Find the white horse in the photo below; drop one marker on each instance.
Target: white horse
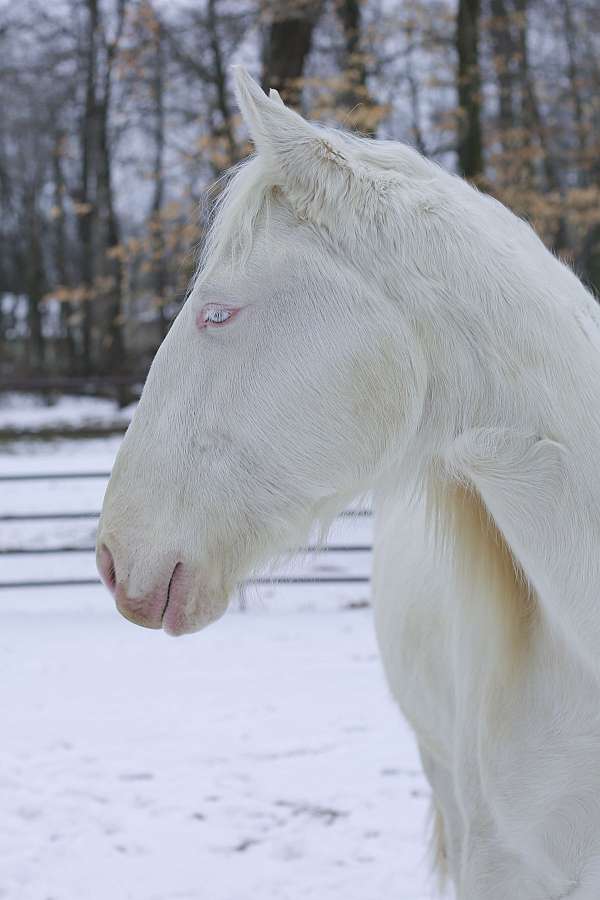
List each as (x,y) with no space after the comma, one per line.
(364,321)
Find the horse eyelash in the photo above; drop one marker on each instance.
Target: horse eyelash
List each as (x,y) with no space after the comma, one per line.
(204,321)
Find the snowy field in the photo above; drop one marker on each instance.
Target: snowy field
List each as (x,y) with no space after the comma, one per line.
(262,758)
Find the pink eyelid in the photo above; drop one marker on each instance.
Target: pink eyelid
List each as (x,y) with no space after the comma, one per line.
(201,322)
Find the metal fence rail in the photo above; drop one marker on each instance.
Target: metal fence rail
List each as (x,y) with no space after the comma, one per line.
(54,476)
(284,579)
(72,382)
(50,516)
(316,548)
(94,515)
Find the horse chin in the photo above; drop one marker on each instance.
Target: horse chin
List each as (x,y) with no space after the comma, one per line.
(191,604)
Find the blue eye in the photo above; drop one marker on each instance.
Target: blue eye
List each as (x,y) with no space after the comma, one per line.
(215,314)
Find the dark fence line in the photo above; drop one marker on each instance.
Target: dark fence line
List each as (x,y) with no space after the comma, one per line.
(72,382)
(57,582)
(317,548)
(123,389)
(284,579)
(53,516)
(94,515)
(54,476)
(37,517)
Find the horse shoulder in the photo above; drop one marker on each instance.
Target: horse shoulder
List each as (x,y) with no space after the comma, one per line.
(543,499)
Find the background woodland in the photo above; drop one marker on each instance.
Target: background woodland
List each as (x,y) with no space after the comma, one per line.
(117,116)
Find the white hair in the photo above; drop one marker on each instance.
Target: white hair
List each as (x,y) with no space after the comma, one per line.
(388,327)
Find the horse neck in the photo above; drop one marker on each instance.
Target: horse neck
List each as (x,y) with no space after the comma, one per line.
(516,350)
(506,452)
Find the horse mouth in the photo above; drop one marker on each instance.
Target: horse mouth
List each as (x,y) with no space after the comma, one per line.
(192,602)
(174,619)
(181,605)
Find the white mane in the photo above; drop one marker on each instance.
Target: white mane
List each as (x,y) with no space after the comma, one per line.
(246,192)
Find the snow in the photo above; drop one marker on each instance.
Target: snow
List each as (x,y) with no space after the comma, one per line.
(32,411)
(261,758)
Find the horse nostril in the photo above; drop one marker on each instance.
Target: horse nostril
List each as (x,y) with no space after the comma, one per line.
(106,567)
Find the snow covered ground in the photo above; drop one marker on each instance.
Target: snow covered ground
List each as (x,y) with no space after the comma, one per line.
(31,411)
(262,758)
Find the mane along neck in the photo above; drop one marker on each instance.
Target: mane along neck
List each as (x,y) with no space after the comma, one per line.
(489,579)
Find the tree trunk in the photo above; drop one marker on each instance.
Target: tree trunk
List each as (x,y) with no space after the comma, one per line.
(414,90)
(60,249)
(111,352)
(35,284)
(470,147)
(532,123)
(85,204)
(287,44)
(355,96)
(226,127)
(504,54)
(531,118)
(158,178)
(570,36)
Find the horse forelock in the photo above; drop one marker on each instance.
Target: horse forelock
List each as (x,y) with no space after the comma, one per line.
(352,186)
(242,195)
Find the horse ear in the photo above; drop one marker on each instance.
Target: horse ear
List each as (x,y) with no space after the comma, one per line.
(294,145)
(275,95)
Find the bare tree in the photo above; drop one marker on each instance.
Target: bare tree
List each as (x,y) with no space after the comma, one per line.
(286,45)
(355,95)
(470,144)
(118,114)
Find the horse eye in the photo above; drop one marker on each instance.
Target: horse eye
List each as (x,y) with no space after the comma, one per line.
(215,314)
